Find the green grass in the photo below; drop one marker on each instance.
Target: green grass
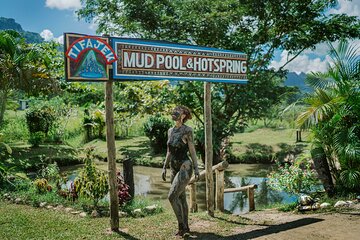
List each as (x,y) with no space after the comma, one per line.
(25,222)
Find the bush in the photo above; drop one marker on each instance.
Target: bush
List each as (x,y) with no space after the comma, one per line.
(294,179)
(91,182)
(123,189)
(40,119)
(156,128)
(36,138)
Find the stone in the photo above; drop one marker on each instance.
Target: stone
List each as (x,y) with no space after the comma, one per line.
(49,207)
(59,207)
(150,209)
(94,214)
(6,196)
(75,212)
(138,212)
(83,214)
(325,205)
(68,209)
(305,208)
(122,214)
(315,206)
(341,204)
(42,204)
(18,200)
(306,200)
(358,198)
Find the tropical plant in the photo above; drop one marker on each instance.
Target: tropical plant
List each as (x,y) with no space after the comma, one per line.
(156,129)
(23,67)
(91,183)
(294,178)
(333,117)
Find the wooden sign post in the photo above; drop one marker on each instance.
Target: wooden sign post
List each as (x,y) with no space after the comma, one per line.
(110,141)
(208,150)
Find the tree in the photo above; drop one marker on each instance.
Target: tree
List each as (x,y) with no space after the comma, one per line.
(256,27)
(332,114)
(23,67)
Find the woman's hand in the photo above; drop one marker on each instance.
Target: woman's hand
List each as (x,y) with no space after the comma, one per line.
(197,174)
(163,174)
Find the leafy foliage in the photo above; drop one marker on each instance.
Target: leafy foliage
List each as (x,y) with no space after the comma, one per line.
(123,189)
(91,182)
(296,178)
(156,129)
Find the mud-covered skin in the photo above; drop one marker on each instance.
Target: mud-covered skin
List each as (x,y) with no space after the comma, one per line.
(181,171)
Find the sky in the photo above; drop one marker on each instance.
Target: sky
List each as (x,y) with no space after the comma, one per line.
(51,18)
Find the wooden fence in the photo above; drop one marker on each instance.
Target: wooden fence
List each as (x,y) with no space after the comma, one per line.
(220,189)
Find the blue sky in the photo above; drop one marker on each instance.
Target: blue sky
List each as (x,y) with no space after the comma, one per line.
(51,18)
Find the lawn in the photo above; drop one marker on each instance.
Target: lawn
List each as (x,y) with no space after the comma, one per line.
(26,222)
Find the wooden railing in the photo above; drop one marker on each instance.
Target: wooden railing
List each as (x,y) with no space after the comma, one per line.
(220,188)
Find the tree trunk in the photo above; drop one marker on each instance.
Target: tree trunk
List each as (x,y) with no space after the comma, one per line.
(322,168)
(3,101)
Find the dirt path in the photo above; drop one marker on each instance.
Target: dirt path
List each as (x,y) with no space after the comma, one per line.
(271,224)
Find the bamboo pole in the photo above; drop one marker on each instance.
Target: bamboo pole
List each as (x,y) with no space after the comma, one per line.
(193,202)
(240,189)
(208,150)
(110,141)
(219,190)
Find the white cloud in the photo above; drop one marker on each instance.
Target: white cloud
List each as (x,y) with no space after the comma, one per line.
(303,63)
(59,39)
(47,35)
(351,8)
(63,4)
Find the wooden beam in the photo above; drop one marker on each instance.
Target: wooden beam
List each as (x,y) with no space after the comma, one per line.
(110,141)
(240,189)
(220,166)
(193,202)
(208,150)
(219,190)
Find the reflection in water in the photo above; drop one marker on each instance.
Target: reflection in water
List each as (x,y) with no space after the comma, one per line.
(148,183)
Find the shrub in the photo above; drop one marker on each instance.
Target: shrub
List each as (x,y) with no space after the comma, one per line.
(91,182)
(295,179)
(123,190)
(40,119)
(42,185)
(156,128)
(36,138)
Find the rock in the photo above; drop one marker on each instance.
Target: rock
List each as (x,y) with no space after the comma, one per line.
(83,214)
(122,214)
(75,212)
(358,198)
(325,205)
(138,212)
(315,206)
(6,196)
(305,208)
(94,214)
(42,204)
(59,207)
(68,209)
(350,203)
(306,200)
(150,209)
(49,207)
(341,204)
(18,200)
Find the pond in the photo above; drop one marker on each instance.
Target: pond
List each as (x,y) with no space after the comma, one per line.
(148,183)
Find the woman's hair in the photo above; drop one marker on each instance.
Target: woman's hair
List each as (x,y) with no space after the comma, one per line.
(184,110)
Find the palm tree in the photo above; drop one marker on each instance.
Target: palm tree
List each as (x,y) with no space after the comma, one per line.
(332,116)
(21,65)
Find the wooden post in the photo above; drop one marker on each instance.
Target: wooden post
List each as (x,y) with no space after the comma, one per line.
(193,202)
(219,190)
(128,174)
(110,141)
(251,199)
(208,150)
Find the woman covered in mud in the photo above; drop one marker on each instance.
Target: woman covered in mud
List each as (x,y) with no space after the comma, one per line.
(180,142)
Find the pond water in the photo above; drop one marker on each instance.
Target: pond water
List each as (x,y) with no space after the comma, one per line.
(148,183)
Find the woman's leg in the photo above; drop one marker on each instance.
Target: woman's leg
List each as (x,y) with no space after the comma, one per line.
(177,195)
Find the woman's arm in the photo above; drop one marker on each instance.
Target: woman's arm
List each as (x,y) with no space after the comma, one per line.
(193,153)
(166,162)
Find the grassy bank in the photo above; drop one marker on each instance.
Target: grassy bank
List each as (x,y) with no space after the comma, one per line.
(25,222)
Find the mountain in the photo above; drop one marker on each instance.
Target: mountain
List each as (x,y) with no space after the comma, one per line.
(30,37)
(297,80)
